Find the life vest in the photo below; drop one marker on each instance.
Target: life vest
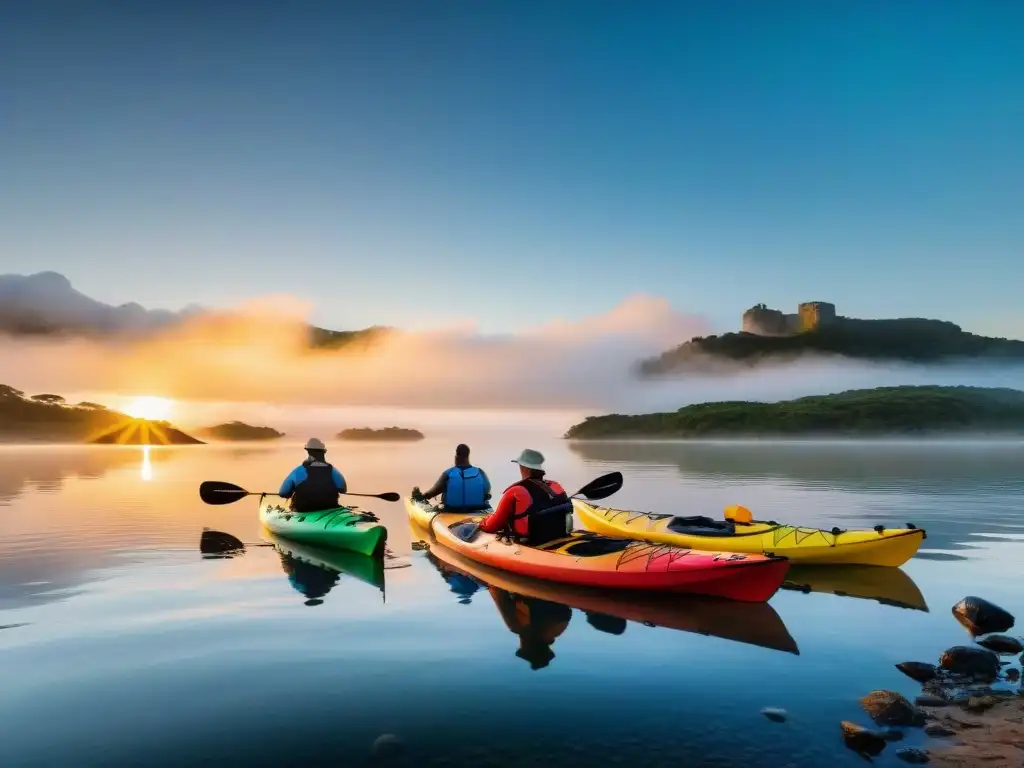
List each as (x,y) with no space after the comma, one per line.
(318,490)
(465,489)
(549,516)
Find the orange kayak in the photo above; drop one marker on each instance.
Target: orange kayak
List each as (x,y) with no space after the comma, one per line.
(753,623)
(592,560)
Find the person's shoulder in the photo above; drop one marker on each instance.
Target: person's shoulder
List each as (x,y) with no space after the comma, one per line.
(556,486)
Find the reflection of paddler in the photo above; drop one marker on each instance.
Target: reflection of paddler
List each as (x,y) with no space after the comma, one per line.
(314,571)
(310,580)
(537,622)
(462,584)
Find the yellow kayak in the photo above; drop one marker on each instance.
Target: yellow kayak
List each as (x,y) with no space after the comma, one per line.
(738,532)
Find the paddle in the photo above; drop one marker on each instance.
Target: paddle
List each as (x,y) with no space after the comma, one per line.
(595,490)
(601,488)
(217,492)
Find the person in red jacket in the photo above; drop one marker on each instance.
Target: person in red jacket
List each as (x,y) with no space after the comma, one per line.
(533,511)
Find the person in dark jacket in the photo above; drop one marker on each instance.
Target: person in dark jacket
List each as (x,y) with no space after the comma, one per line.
(462,487)
(314,484)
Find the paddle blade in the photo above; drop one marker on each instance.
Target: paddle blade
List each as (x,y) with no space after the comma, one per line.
(390,496)
(602,487)
(219,543)
(216,492)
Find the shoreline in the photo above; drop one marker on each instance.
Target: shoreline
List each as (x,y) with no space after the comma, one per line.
(939,437)
(994,738)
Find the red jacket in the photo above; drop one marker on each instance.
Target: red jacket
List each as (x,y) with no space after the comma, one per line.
(515,500)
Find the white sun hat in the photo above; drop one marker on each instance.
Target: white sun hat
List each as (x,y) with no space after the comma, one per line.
(530,459)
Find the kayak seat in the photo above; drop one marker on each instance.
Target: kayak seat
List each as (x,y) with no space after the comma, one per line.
(467,530)
(702,526)
(589,545)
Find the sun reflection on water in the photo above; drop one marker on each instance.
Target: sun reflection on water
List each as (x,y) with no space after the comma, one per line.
(146,471)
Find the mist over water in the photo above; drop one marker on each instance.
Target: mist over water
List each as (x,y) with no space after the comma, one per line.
(257,355)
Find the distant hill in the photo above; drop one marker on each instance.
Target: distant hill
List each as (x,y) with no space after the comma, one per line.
(48,418)
(860,412)
(237,431)
(388,434)
(46,304)
(908,340)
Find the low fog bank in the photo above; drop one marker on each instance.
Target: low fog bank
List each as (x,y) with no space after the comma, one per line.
(248,355)
(558,371)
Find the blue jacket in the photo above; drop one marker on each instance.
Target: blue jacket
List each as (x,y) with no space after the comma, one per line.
(299,474)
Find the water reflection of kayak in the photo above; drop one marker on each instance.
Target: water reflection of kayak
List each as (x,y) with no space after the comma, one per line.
(313,571)
(888,586)
(607,610)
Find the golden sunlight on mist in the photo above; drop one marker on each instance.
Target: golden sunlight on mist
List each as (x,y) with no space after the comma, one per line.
(151,408)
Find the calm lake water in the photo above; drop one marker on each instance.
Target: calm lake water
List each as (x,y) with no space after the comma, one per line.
(122,645)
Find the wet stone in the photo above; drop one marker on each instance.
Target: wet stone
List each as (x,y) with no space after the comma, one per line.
(891,708)
(913,756)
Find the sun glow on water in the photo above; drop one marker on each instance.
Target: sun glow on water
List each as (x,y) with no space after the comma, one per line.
(152,408)
(147,465)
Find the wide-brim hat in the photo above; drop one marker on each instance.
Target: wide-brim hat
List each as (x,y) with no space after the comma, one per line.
(530,459)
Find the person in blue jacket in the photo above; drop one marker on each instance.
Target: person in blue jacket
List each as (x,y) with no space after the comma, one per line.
(462,487)
(314,484)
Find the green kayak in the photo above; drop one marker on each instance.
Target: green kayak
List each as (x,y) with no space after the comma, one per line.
(339,528)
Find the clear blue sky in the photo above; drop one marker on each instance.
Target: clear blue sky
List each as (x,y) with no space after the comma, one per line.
(408,162)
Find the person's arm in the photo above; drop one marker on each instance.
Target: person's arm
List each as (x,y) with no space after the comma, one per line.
(487,485)
(501,516)
(339,480)
(288,486)
(438,488)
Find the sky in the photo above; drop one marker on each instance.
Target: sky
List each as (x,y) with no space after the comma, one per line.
(512,163)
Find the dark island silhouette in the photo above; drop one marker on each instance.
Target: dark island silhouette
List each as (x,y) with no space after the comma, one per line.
(884,411)
(771,337)
(49,418)
(387,434)
(238,431)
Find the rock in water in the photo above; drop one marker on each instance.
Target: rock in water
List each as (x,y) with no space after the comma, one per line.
(981,617)
(915,756)
(861,740)
(890,708)
(387,748)
(918,670)
(775,714)
(1001,644)
(976,662)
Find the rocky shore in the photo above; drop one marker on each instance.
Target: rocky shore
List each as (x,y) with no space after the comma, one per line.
(971,704)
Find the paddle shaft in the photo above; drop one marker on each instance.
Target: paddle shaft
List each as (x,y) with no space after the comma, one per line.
(267,493)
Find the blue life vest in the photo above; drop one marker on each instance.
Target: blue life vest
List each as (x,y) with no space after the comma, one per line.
(465,489)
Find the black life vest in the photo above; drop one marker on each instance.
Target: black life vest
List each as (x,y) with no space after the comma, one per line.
(318,490)
(549,516)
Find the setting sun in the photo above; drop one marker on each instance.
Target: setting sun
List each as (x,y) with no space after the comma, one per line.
(152,408)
